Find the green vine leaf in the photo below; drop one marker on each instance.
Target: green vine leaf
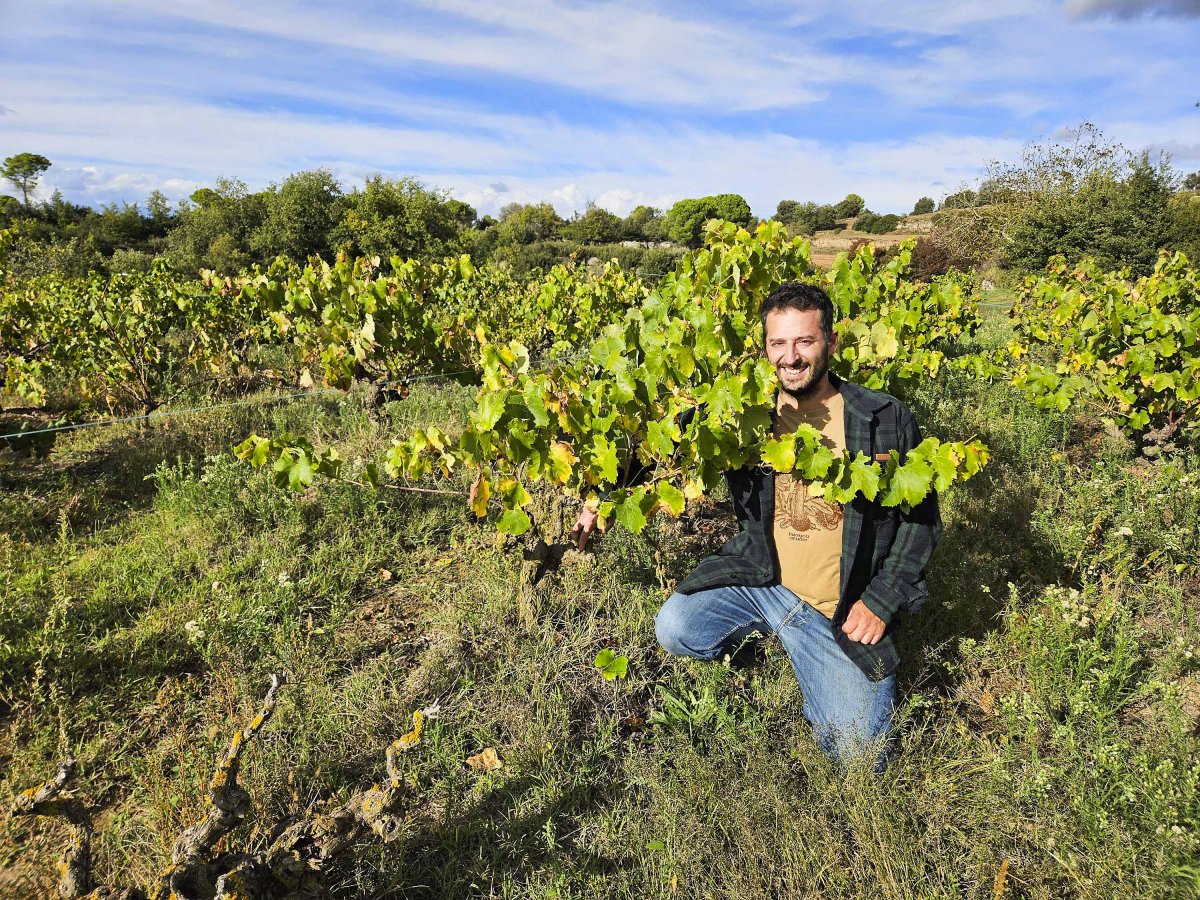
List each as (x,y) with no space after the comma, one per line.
(610,665)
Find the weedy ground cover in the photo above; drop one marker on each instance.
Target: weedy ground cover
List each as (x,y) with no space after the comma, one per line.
(1050,695)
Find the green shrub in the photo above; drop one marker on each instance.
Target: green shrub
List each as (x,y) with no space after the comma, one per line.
(1185,223)
(850,207)
(629,258)
(961,200)
(644,223)
(594,226)
(686,218)
(130,261)
(806,218)
(523,259)
(659,260)
(873,223)
(930,258)
(1120,218)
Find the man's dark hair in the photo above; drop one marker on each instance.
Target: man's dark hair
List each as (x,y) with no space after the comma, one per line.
(798,295)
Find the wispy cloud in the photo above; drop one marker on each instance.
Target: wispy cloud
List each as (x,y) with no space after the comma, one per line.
(1133,9)
(616,49)
(614,102)
(566,164)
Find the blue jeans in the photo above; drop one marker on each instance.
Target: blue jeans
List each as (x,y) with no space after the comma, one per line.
(851,715)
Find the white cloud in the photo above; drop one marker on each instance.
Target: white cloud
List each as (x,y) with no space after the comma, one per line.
(622,201)
(177,147)
(172,97)
(617,49)
(97,185)
(1133,9)
(931,17)
(622,165)
(1180,137)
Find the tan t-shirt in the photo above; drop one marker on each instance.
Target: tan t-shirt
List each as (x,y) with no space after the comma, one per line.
(808,530)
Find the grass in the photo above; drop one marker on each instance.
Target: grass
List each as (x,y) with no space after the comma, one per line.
(1050,696)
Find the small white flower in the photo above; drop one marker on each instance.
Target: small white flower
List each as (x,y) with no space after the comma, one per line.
(433,711)
(1125,531)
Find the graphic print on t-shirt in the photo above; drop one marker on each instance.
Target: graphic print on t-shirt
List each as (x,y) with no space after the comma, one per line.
(808,529)
(799,512)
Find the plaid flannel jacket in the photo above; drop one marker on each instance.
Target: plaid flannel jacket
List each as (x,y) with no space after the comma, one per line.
(884,550)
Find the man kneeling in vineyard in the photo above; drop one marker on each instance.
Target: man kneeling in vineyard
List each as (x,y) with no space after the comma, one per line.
(829,579)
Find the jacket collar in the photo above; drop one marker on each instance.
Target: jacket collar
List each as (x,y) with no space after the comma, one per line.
(859,401)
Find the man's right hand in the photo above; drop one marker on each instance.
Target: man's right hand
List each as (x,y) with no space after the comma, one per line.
(584,526)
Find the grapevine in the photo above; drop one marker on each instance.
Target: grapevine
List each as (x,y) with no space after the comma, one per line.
(357,322)
(677,391)
(127,338)
(1130,351)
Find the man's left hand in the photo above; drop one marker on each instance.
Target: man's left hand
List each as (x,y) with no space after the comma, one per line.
(584,526)
(862,625)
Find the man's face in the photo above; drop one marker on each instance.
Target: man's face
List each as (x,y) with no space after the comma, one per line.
(796,346)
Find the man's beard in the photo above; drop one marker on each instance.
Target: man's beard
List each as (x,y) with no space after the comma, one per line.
(817,370)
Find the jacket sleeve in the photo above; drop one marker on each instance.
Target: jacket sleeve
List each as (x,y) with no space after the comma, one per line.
(899,585)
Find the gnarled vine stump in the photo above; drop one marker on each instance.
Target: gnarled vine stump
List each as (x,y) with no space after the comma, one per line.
(292,867)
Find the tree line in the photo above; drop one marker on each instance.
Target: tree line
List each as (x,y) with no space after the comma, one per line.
(227,227)
(1075,196)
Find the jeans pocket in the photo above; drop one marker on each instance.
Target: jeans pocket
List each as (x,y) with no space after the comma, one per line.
(794,616)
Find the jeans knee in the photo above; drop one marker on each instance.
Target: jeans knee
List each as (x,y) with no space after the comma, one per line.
(671,628)
(852,741)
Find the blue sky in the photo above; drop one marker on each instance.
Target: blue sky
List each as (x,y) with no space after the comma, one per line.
(617,102)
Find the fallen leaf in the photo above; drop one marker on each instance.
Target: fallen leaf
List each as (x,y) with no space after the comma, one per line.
(486,760)
(610,665)
(385,575)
